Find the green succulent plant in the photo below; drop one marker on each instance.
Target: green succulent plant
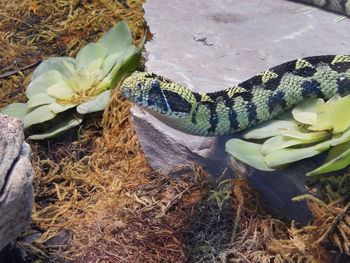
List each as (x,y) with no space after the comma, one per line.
(82,83)
(312,127)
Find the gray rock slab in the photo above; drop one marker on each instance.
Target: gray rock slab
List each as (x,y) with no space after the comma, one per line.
(210,45)
(16,192)
(213,44)
(11,138)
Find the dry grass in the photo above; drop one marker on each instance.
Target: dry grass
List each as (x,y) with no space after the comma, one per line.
(235,228)
(111,204)
(96,200)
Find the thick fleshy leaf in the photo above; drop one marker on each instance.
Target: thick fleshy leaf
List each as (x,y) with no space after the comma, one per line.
(39,99)
(340,138)
(98,104)
(117,39)
(269,129)
(307,137)
(322,126)
(336,151)
(338,158)
(64,65)
(127,63)
(109,63)
(43,82)
(91,53)
(57,108)
(95,67)
(334,99)
(65,125)
(306,111)
(81,80)
(323,118)
(60,90)
(130,55)
(18,110)
(338,112)
(289,155)
(278,142)
(40,114)
(247,152)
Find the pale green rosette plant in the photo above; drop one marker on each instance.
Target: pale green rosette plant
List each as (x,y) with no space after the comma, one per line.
(77,86)
(313,127)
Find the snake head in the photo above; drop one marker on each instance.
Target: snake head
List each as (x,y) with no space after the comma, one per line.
(157,95)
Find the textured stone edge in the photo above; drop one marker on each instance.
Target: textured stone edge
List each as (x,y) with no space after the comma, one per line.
(17,220)
(176,148)
(10,144)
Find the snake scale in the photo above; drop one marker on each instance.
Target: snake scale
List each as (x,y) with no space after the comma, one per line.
(255,100)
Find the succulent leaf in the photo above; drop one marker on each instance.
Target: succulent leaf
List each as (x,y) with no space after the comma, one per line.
(289,155)
(307,137)
(61,83)
(269,129)
(336,151)
(97,104)
(61,90)
(338,158)
(95,67)
(17,110)
(306,111)
(38,115)
(334,99)
(57,108)
(278,142)
(127,62)
(89,54)
(340,138)
(109,63)
(247,152)
(41,83)
(81,80)
(322,126)
(337,112)
(40,99)
(117,39)
(64,65)
(65,125)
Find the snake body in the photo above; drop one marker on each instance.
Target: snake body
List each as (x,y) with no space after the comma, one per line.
(338,6)
(255,100)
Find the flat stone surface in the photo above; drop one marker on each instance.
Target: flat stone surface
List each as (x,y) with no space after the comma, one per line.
(210,45)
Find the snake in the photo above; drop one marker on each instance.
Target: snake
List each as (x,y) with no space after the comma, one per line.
(338,6)
(258,99)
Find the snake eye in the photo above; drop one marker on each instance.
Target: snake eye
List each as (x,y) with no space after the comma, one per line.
(139,85)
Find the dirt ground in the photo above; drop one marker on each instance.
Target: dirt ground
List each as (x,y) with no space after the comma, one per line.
(96,200)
